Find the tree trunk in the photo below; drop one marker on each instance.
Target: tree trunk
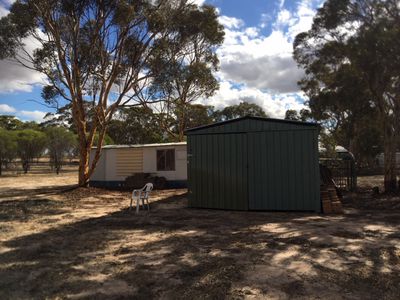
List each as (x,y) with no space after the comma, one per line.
(85,168)
(25,166)
(83,165)
(390,178)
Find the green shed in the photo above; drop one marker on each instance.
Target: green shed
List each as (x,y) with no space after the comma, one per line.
(254,163)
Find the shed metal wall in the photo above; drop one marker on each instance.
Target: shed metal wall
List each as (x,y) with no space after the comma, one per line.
(217,163)
(254,164)
(283,173)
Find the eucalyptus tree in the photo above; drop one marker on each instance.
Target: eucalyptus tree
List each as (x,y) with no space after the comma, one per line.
(30,144)
(104,52)
(188,76)
(351,62)
(135,125)
(8,147)
(240,110)
(59,143)
(10,122)
(303,115)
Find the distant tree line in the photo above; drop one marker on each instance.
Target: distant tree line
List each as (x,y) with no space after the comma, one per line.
(57,138)
(141,124)
(27,141)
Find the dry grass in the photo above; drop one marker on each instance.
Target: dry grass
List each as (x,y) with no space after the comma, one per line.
(57,243)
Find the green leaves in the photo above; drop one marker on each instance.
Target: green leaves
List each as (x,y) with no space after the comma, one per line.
(351,60)
(8,146)
(241,110)
(109,53)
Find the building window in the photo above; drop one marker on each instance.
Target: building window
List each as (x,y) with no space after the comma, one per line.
(166,160)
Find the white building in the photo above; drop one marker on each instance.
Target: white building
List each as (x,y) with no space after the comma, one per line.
(120,161)
(380,160)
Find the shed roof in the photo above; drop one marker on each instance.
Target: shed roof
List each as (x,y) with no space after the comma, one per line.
(252,118)
(144,145)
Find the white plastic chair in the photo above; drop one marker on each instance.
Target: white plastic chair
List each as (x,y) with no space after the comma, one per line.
(142,194)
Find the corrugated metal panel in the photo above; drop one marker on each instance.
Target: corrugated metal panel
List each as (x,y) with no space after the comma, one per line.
(218,171)
(254,164)
(129,161)
(243,125)
(283,171)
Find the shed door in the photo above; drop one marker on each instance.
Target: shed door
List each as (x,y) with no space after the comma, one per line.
(217,171)
(283,170)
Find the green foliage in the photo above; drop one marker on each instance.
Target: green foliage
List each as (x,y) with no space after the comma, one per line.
(135,125)
(304,115)
(10,122)
(198,115)
(59,143)
(8,147)
(241,110)
(188,77)
(30,145)
(97,51)
(107,140)
(139,125)
(351,63)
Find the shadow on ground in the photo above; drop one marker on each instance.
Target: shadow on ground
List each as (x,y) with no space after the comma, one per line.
(177,252)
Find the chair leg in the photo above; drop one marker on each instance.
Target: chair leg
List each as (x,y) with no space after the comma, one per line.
(148,204)
(137,205)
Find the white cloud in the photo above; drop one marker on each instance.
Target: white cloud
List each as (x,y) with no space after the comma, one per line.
(3,11)
(13,76)
(259,68)
(276,73)
(35,115)
(231,22)
(198,2)
(284,18)
(274,105)
(24,115)
(5,109)
(265,20)
(303,18)
(263,62)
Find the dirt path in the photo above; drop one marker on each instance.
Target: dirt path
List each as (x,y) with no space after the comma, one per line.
(84,244)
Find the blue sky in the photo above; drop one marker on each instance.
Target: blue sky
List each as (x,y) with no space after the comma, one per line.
(256,62)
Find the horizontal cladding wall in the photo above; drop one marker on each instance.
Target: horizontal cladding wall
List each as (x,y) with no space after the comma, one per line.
(251,125)
(217,171)
(128,161)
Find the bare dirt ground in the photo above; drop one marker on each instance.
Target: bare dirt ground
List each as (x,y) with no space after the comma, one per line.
(62,243)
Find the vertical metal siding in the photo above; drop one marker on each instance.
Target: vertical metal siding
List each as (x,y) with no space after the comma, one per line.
(282,171)
(216,167)
(266,166)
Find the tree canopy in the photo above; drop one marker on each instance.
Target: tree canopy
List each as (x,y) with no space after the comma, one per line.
(8,147)
(351,62)
(240,110)
(30,144)
(59,142)
(107,54)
